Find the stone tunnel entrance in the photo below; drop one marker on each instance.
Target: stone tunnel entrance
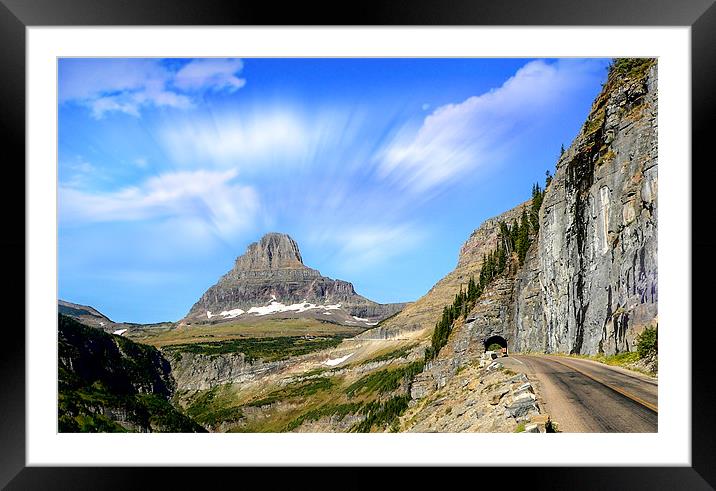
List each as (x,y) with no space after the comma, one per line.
(494,341)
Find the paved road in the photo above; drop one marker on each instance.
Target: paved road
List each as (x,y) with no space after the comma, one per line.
(589,397)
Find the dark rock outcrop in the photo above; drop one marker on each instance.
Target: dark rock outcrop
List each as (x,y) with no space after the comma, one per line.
(111,384)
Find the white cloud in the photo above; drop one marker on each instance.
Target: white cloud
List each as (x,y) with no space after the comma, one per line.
(128,85)
(456,138)
(131,102)
(237,138)
(90,78)
(215,74)
(202,201)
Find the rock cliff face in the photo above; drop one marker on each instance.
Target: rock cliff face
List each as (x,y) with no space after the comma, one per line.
(589,281)
(271,279)
(200,372)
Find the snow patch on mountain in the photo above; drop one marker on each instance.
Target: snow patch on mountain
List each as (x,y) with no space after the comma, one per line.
(337,361)
(276,307)
(230,314)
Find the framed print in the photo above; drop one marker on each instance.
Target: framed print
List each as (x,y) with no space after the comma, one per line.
(241,227)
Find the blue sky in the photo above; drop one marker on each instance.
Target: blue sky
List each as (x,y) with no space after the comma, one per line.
(378,168)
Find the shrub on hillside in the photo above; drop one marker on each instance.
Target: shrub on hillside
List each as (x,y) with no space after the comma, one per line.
(647,342)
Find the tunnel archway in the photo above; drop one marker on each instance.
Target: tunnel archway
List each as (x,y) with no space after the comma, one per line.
(495,340)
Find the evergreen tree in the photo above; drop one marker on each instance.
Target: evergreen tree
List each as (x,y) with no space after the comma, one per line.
(501,259)
(490,267)
(514,232)
(471,289)
(483,272)
(537,198)
(523,239)
(457,304)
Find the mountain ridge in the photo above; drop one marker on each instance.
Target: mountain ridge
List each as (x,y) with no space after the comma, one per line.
(84,313)
(270,279)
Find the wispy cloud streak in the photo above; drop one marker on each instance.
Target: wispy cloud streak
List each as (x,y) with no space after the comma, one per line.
(206,197)
(477,132)
(130,85)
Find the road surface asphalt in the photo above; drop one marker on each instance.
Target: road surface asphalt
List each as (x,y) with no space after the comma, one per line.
(584,396)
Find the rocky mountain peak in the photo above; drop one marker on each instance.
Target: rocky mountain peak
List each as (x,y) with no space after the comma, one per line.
(273,251)
(271,279)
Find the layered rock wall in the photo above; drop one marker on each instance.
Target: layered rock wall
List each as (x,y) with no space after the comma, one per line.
(200,372)
(590,283)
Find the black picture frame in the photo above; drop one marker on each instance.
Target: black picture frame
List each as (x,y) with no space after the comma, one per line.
(700,15)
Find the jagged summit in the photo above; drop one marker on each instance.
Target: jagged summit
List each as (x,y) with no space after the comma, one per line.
(270,279)
(276,257)
(273,251)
